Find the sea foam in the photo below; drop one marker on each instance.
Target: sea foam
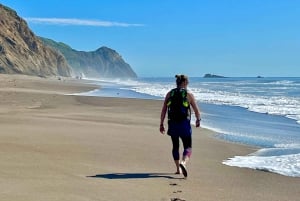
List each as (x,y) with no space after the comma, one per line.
(284,161)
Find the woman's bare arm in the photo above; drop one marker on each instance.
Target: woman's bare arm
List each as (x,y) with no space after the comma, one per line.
(163,114)
(195,107)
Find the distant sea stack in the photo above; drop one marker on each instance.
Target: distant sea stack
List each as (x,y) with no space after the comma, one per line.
(103,62)
(213,76)
(22,52)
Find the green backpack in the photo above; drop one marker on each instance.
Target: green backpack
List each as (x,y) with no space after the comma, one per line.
(178,105)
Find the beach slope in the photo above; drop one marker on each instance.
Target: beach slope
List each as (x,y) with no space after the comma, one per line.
(64,147)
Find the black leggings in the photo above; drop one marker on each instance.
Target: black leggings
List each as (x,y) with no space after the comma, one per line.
(187,146)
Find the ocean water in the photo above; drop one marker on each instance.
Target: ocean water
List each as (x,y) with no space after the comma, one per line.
(261,112)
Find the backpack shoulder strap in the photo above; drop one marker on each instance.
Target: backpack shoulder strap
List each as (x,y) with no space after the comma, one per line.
(185,101)
(172,93)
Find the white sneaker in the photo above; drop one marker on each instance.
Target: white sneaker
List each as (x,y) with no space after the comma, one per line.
(183,169)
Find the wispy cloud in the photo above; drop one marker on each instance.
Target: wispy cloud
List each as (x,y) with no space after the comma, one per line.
(79,22)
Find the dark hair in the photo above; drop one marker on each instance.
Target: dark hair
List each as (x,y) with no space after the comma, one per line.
(180,79)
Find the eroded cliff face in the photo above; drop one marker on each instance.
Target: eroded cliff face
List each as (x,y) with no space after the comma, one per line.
(103,62)
(21,52)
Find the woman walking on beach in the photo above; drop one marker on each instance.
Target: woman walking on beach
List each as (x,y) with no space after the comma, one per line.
(177,103)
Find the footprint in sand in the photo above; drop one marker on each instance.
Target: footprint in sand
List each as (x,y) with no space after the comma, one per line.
(178,191)
(177,199)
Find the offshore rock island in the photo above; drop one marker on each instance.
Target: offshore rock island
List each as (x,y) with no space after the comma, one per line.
(22,52)
(213,76)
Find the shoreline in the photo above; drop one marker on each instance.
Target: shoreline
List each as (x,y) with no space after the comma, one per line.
(65,147)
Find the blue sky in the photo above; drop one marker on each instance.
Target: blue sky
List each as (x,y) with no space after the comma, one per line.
(167,37)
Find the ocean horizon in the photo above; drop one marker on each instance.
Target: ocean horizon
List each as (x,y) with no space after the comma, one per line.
(262,112)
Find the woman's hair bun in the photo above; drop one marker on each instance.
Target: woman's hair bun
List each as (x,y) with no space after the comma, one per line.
(180,78)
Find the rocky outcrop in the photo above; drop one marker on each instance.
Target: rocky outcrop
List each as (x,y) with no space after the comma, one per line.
(21,52)
(104,62)
(213,76)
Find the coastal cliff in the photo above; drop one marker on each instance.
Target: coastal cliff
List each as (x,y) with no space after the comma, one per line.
(103,62)
(22,52)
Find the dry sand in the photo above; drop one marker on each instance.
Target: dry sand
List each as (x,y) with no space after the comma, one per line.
(61,147)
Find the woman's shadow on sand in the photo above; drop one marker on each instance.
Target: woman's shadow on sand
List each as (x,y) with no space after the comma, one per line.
(134,176)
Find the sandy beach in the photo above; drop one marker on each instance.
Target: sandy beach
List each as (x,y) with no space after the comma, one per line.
(64,147)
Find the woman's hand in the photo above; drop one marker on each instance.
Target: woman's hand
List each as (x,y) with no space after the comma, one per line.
(162,129)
